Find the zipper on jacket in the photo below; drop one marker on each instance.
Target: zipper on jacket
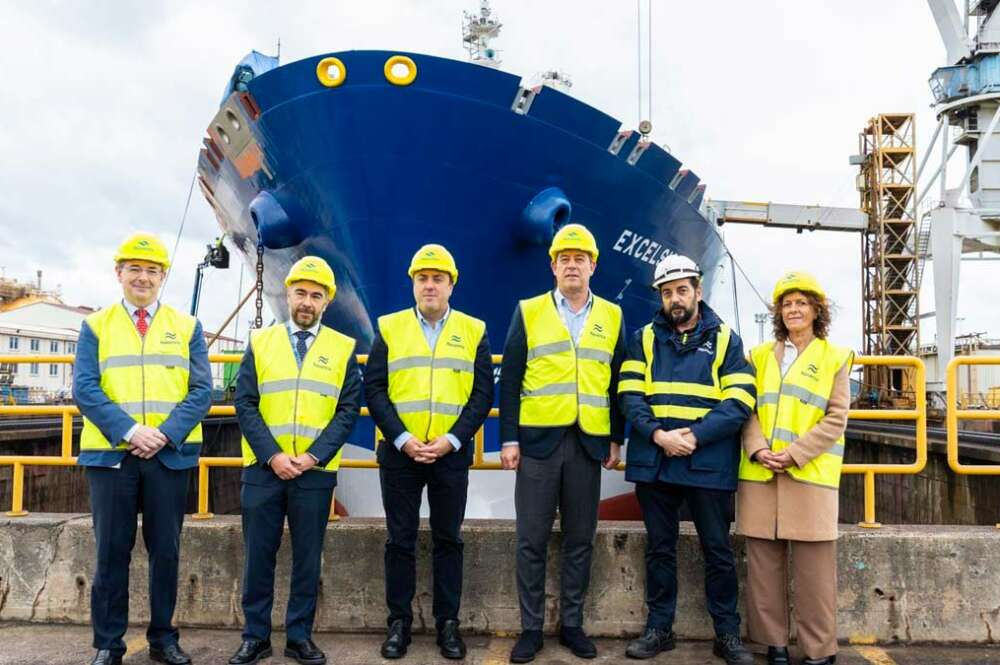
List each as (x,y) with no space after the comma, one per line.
(781,387)
(295,404)
(576,379)
(430,397)
(142,362)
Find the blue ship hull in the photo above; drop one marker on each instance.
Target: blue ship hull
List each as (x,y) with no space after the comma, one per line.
(364,173)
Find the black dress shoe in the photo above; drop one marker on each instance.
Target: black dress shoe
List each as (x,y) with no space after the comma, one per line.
(574,639)
(651,643)
(172,654)
(778,656)
(305,652)
(251,651)
(105,657)
(527,646)
(450,640)
(829,660)
(730,648)
(396,641)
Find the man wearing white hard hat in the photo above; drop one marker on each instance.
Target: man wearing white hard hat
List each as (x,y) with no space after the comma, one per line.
(687,389)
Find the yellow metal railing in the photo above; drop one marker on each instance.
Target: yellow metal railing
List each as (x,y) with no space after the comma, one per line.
(954,414)
(66,458)
(19,462)
(918,414)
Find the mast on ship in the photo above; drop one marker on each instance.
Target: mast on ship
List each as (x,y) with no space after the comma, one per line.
(478,31)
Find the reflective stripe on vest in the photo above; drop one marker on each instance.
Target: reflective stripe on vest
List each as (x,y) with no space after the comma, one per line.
(298,403)
(788,407)
(720,388)
(566,383)
(430,387)
(145,376)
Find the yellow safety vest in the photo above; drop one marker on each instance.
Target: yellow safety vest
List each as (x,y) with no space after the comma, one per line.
(565,382)
(790,406)
(430,387)
(145,376)
(297,403)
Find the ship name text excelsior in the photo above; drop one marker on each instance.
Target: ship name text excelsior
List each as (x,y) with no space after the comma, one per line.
(643,248)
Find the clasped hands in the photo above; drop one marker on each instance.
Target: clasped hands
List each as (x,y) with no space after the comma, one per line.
(429,452)
(679,442)
(776,462)
(146,441)
(288,467)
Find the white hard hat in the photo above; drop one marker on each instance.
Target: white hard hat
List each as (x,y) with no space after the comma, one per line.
(674,266)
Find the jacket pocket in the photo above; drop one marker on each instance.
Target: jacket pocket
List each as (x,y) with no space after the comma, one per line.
(641,452)
(711,458)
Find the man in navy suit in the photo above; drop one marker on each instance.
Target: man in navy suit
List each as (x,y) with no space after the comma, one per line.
(298,395)
(143,384)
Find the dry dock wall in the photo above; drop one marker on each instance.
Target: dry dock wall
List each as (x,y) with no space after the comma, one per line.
(897,584)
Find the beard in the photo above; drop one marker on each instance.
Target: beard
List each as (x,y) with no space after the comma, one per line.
(305,318)
(680,315)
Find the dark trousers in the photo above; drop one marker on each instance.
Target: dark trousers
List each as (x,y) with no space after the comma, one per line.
(117,496)
(264,509)
(569,480)
(447,482)
(712,513)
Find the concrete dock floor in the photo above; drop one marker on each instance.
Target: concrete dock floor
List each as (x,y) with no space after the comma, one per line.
(35,644)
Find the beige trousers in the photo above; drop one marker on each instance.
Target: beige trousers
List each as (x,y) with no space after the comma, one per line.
(813,590)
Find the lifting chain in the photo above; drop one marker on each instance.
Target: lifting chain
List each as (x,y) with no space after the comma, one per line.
(258,321)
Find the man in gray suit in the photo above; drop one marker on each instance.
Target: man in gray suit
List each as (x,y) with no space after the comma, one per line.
(559,422)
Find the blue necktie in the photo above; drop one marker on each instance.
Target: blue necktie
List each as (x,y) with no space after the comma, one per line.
(300,345)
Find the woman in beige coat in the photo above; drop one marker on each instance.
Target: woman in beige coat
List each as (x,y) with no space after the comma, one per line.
(787,502)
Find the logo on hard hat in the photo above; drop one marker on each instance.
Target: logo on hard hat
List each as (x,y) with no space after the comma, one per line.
(310,266)
(429,254)
(573,234)
(143,243)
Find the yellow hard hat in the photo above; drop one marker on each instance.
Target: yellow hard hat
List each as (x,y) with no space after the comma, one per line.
(797,281)
(574,236)
(434,257)
(143,247)
(313,269)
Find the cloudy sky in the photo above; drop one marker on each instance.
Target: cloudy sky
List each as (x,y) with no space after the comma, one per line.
(104,105)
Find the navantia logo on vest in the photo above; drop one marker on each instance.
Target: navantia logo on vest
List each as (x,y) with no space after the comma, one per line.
(598,331)
(811,371)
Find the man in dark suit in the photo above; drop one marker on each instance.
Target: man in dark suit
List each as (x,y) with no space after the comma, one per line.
(429,385)
(143,385)
(298,395)
(558,422)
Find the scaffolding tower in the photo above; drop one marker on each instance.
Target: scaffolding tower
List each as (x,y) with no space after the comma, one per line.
(890,281)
